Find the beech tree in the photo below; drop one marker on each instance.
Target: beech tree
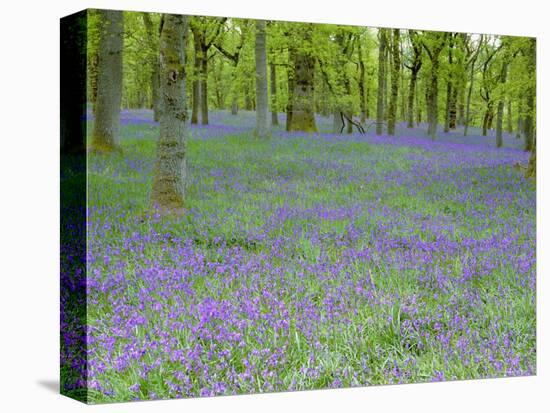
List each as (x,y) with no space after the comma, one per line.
(262,128)
(381,95)
(170,175)
(109,82)
(395,66)
(433,43)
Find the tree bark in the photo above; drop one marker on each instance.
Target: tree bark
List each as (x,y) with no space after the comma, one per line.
(303,117)
(154,63)
(196,87)
(273,90)
(204,87)
(528,121)
(380,98)
(500,106)
(362,100)
(109,82)
(432,96)
(169,174)
(471,87)
(262,129)
(510,124)
(395,65)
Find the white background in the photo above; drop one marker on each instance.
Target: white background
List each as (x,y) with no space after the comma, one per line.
(29,113)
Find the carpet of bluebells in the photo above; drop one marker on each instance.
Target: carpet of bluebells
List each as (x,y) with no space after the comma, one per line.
(307,262)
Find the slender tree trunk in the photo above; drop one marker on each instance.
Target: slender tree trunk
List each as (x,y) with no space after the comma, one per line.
(380,99)
(204,87)
(169,174)
(362,101)
(109,82)
(196,87)
(500,106)
(273,90)
(448,107)
(154,63)
(528,134)
(290,85)
(460,100)
(469,100)
(337,123)
(392,110)
(418,110)
(509,118)
(528,125)
(432,99)
(519,130)
(410,103)
(262,129)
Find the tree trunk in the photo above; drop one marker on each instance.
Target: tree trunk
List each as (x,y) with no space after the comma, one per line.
(530,90)
(432,95)
(196,88)
(204,87)
(169,174)
(510,124)
(109,82)
(396,64)
(154,63)
(528,133)
(337,123)
(432,99)
(290,86)
(273,90)
(303,116)
(500,106)
(448,107)
(468,101)
(362,101)
(519,130)
(380,98)
(262,129)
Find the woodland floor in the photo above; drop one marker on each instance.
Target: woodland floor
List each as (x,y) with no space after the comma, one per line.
(309,261)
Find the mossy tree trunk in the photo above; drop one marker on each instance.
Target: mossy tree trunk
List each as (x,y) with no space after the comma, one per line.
(109,82)
(395,65)
(303,104)
(433,50)
(262,128)
(169,175)
(380,98)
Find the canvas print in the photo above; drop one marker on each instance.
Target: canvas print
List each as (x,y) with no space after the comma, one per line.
(253,206)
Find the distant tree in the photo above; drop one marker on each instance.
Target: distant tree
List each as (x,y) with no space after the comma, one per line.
(169,175)
(414,67)
(262,129)
(109,82)
(205,32)
(470,65)
(152,42)
(273,92)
